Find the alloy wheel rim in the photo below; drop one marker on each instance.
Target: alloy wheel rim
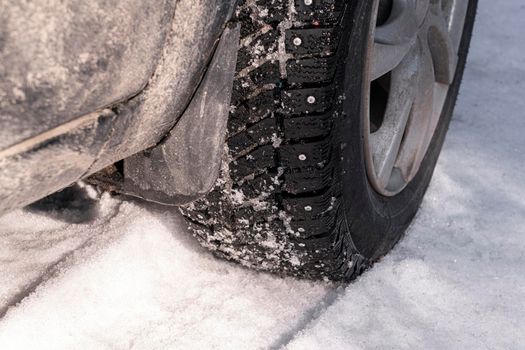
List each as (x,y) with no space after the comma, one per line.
(411,61)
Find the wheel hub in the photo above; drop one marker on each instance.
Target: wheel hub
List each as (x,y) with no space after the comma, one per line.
(412,59)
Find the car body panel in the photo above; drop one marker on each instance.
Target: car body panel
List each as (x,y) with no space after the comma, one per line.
(46,147)
(64,59)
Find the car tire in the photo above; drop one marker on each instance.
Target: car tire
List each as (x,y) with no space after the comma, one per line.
(294,195)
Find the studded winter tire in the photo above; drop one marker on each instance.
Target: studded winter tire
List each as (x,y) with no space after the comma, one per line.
(339,112)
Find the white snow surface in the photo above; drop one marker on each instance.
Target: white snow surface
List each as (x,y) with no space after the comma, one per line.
(134,278)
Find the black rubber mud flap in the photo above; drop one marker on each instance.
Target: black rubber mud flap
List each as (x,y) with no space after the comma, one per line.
(185,165)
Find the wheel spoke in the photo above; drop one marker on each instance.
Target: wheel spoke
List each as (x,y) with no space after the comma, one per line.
(387,139)
(394,39)
(419,123)
(402,25)
(387,57)
(439,41)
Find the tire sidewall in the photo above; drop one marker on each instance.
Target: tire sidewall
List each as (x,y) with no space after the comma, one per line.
(377,222)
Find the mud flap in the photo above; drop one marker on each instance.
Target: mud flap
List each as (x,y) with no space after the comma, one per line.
(185,165)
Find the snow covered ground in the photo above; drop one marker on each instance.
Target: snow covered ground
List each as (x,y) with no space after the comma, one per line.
(131,277)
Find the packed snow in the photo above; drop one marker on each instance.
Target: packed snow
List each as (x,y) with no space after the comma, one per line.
(108,273)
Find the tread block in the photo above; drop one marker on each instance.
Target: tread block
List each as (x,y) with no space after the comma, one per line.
(237,119)
(313,100)
(248,26)
(252,111)
(314,154)
(263,44)
(311,70)
(312,206)
(258,134)
(241,89)
(313,41)
(262,184)
(276,9)
(326,11)
(265,74)
(261,105)
(244,57)
(309,228)
(308,180)
(258,47)
(307,126)
(257,210)
(305,229)
(252,163)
